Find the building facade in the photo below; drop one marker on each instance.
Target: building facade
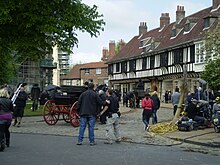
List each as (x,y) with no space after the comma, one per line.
(162,55)
(95,72)
(62,60)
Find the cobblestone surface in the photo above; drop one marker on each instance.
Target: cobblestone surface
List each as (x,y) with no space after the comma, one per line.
(131,127)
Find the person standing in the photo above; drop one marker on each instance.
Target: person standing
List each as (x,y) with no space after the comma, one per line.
(166,97)
(35,94)
(103,98)
(156,106)
(112,123)
(147,105)
(175,100)
(88,107)
(6,109)
(20,104)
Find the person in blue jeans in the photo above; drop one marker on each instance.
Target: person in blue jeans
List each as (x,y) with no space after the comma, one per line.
(88,109)
(156,106)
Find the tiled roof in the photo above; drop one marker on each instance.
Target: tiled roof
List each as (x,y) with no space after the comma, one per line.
(74,72)
(93,65)
(163,37)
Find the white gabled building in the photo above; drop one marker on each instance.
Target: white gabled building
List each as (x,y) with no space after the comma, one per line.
(159,56)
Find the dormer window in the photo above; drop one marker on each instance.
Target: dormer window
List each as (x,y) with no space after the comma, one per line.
(207,22)
(173,33)
(187,27)
(190,23)
(144,42)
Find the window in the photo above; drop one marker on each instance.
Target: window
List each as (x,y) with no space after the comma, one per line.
(124,67)
(207,22)
(110,69)
(152,61)
(144,63)
(199,54)
(87,71)
(187,27)
(164,59)
(132,65)
(118,67)
(98,70)
(192,53)
(173,33)
(178,56)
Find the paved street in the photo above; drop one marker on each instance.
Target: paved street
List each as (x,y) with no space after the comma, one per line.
(38,149)
(132,127)
(132,131)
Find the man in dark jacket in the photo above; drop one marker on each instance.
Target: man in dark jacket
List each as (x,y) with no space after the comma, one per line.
(20,105)
(156,106)
(112,123)
(35,94)
(192,112)
(88,107)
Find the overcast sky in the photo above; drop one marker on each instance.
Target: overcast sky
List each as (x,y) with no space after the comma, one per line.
(122,19)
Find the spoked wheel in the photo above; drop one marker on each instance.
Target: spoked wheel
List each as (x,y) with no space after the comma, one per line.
(217,129)
(50,117)
(74,117)
(66,117)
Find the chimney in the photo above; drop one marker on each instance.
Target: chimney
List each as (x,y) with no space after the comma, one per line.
(104,54)
(215,4)
(164,19)
(180,13)
(121,44)
(111,48)
(142,28)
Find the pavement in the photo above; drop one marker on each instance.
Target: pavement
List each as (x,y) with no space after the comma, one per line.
(131,128)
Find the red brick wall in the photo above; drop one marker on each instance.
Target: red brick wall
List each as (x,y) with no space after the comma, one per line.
(97,78)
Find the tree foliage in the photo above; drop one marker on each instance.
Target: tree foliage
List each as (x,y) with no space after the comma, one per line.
(212,44)
(212,73)
(31,28)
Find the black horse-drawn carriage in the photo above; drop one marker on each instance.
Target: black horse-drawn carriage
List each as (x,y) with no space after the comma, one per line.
(61,101)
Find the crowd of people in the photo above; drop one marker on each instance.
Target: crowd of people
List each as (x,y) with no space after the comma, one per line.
(103,104)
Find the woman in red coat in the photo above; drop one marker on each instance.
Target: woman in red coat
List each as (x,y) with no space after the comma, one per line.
(147,105)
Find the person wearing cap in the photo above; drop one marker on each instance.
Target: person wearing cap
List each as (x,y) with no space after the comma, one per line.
(216,107)
(192,112)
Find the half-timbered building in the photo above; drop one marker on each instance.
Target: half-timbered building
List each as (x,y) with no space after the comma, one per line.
(160,56)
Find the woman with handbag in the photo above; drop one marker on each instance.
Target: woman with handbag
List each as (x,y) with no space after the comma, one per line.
(6,109)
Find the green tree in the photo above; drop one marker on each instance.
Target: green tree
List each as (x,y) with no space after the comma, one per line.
(212,74)
(212,50)
(212,44)
(30,28)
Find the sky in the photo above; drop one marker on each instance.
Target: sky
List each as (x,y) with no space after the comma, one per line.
(122,18)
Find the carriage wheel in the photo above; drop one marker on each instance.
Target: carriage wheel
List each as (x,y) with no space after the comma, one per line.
(50,117)
(74,117)
(66,117)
